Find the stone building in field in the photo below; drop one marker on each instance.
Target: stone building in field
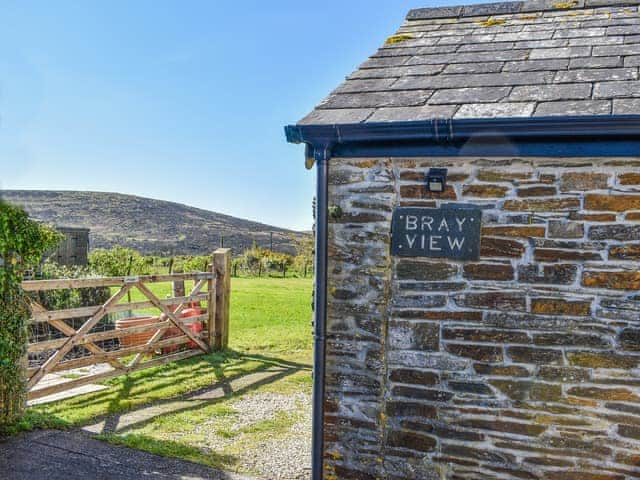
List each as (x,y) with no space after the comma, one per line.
(478,248)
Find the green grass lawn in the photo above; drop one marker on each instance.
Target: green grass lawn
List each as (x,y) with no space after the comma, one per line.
(270,325)
(267,315)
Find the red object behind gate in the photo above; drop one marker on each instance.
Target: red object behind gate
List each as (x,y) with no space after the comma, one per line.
(195,327)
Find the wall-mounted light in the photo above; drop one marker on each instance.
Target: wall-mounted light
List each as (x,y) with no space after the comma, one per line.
(437,180)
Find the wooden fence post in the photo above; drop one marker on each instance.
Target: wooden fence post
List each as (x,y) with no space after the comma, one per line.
(212,307)
(178,288)
(222,266)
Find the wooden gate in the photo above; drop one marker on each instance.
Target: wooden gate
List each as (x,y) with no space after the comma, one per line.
(165,335)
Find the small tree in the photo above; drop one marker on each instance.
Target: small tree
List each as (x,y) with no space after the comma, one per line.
(22,245)
(279,262)
(196,264)
(303,260)
(117,261)
(252,260)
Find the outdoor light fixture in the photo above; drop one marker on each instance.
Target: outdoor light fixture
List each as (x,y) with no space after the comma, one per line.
(437,180)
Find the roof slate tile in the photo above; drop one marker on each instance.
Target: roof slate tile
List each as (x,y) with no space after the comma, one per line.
(626,106)
(538,5)
(442,12)
(581,32)
(485,47)
(469,95)
(396,52)
(396,71)
(629,89)
(586,41)
(457,40)
(542,43)
(628,49)
(633,61)
(595,62)
(537,65)
(624,30)
(377,62)
(342,115)
(602,3)
(596,75)
(469,57)
(487,110)
(610,21)
(392,114)
(566,52)
(487,67)
(533,57)
(514,37)
(369,85)
(438,49)
(577,107)
(491,9)
(478,80)
(571,91)
(377,99)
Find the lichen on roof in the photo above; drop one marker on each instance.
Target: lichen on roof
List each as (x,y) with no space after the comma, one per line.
(393,39)
(492,22)
(508,59)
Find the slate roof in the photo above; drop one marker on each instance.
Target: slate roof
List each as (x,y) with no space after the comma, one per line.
(513,59)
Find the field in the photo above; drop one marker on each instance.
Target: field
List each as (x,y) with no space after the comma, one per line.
(269,358)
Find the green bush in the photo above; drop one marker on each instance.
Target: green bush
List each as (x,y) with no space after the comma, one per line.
(258,261)
(117,262)
(198,263)
(71,297)
(22,244)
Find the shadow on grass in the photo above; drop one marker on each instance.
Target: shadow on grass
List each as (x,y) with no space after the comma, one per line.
(167,448)
(127,385)
(141,384)
(268,371)
(235,374)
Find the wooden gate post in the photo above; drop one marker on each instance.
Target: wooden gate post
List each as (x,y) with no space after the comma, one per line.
(222,266)
(178,288)
(212,306)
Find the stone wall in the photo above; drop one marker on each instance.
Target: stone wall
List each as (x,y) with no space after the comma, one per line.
(521,365)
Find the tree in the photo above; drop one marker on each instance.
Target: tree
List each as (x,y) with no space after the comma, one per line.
(279,262)
(304,246)
(252,260)
(23,242)
(196,264)
(117,262)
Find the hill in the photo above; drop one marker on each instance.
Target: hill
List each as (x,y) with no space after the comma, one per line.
(147,225)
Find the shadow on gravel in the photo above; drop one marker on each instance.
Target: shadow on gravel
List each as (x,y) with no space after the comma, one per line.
(270,370)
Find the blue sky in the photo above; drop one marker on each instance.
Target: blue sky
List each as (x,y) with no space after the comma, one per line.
(177,100)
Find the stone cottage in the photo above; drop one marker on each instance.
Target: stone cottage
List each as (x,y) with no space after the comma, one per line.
(478,244)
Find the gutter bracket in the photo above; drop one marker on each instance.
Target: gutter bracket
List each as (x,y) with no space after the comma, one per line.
(318,153)
(442,130)
(318,149)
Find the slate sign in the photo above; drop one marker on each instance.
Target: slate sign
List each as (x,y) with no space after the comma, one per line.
(446,232)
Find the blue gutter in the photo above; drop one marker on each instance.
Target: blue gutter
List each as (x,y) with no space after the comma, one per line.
(611,136)
(580,136)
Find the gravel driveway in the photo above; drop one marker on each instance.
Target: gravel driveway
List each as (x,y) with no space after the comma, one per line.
(286,455)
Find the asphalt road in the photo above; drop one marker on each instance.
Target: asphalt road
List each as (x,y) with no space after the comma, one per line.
(55,455)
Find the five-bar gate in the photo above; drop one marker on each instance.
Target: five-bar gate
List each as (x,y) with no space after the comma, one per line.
(78,346)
